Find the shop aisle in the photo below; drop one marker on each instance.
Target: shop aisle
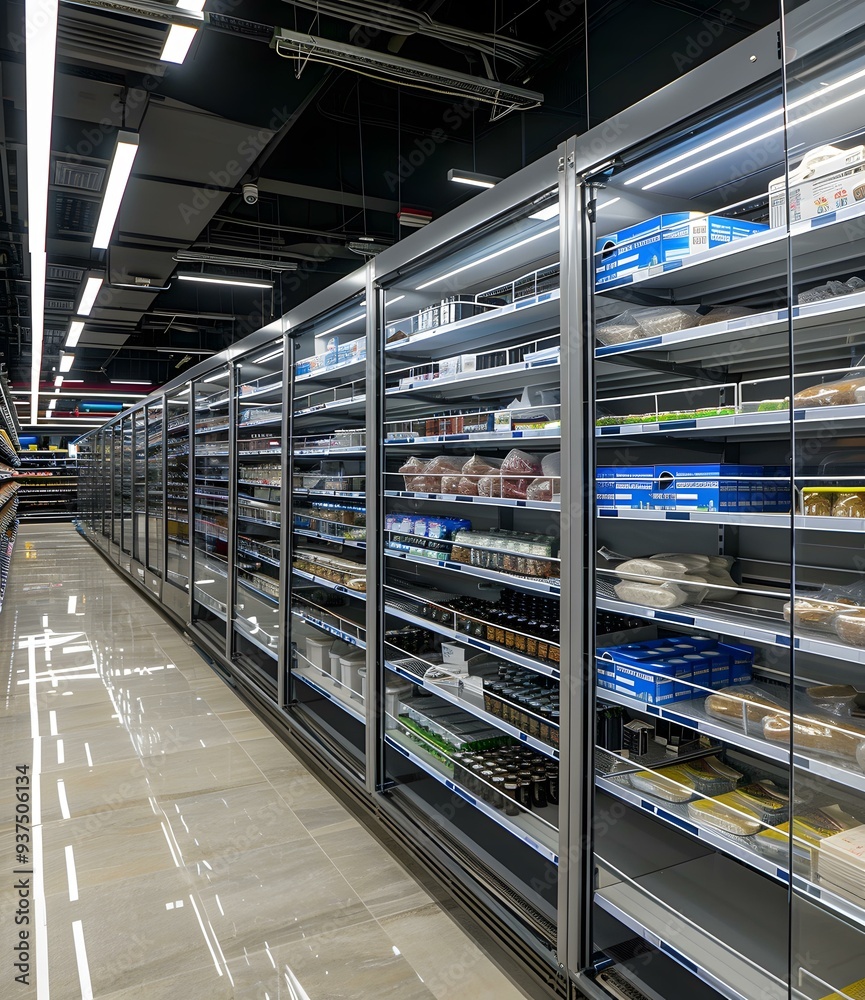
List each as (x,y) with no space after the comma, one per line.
(178,849)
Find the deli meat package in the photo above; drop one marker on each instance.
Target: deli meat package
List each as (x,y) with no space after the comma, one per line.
(473,471)
(518,470)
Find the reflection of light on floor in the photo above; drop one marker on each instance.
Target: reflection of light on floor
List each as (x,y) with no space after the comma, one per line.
(81,959)
(72,605)
(71,874)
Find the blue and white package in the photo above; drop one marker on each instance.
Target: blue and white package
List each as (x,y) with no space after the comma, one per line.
(625,486)
(708,487)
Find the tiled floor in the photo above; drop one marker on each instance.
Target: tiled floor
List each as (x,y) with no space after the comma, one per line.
(185,852)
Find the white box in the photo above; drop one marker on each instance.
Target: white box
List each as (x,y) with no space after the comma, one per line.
(823,185)
(454,655)
(502,422)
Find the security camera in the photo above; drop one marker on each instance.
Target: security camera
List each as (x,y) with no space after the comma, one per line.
(250,193)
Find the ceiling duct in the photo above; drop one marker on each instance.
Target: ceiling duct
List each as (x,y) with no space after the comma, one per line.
(79,176)
(200,256)
(302,49)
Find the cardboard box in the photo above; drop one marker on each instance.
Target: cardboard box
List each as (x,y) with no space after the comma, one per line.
(707,487)
(834,183)
(625,486)
(662,241)
(502,422)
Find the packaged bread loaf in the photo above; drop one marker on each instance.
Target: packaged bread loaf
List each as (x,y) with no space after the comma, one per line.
(839,738)
(741,703)
(842,392)
(850,626)
(816,613)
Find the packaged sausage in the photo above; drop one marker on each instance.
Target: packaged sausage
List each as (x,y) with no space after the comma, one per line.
(742,704)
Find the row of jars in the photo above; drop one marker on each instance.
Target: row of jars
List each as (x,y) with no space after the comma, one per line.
(511,778)
(526,701)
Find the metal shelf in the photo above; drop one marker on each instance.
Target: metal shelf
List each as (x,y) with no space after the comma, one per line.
(335,406)
(525,828)
(484,438)
(520,582)
(849,525)
(338,587)
(524,318)
(487,647)
(473,705)
(319,452)
(337,633)
(552,505)
(330,538)
(748,624)
(247,585)
(816,419)
(333,693)
(251,637)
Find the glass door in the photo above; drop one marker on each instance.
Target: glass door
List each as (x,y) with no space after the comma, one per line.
(471,441)
(177,488)
(139,490)
(258,615)
(127,536)
(113,467)
(211,545)
(691,525)
(328,519)
(155,491)
(822,724)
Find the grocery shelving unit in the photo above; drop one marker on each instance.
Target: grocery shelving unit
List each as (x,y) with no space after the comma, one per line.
(10,488)
(388,559)
(49,485)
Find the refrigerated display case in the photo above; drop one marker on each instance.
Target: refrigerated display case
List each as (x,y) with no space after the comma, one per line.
(558,570)
(49,485)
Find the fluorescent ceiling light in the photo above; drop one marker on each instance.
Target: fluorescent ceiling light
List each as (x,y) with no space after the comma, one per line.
(121,167)
(74,335)
(73,381)
(473,179)
(130,381)
(341,326)
(212,280)
(268,357)
(265,263)
(817,96)
(58,381)
(40,19)
(88,297)
(177,43)
(490,256)
(391,302)
(66,363)
(606,204)
(218,377)
(52,403)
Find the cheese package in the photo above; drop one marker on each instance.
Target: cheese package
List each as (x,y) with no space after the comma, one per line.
(855,991)
(670,784)
(725,813)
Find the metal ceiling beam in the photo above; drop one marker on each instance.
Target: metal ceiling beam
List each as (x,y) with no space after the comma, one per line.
(306,192)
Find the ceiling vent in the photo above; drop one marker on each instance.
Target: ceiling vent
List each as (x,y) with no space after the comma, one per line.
(75,215)
(79,176)
(58,272)
(59,305)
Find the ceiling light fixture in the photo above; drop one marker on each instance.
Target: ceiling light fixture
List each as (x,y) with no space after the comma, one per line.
(489,256)
(75,330)
(40,21)
(267,264)
(129,381)
(268,357)
(393,69)
(472,179)
(210,279)
(125,152)
(52,404)
(180,36)
(58,382)
(66,363)
(92,286)
(218,377)
(341,326)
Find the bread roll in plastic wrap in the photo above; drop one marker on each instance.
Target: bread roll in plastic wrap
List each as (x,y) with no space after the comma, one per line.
(650,595)
(740,703)
(811,733)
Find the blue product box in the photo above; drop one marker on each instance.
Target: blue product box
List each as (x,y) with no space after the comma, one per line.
(719,663)
(607,676)
(740,674)
(776,493)
(707,487)
(645,684)
(303,368)
(662,648)
(740,654)
(702,642)
(426,526)
(625,486)
(661,241)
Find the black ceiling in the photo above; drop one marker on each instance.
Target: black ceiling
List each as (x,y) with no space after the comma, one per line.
(335,154)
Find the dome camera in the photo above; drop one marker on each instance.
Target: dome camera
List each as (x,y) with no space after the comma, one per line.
(250,193)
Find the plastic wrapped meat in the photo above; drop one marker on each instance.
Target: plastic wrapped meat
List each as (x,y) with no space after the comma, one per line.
(518,470)
(410,470)
(474,469)
(540,489)
(434,472)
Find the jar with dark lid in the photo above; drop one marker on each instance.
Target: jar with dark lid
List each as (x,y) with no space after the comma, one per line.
(497,798)
(511,795)
(534,719)
(485,790)
(524,793)
(554,727)
(544,728)
(539,789)
(477,770)
(553,784)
